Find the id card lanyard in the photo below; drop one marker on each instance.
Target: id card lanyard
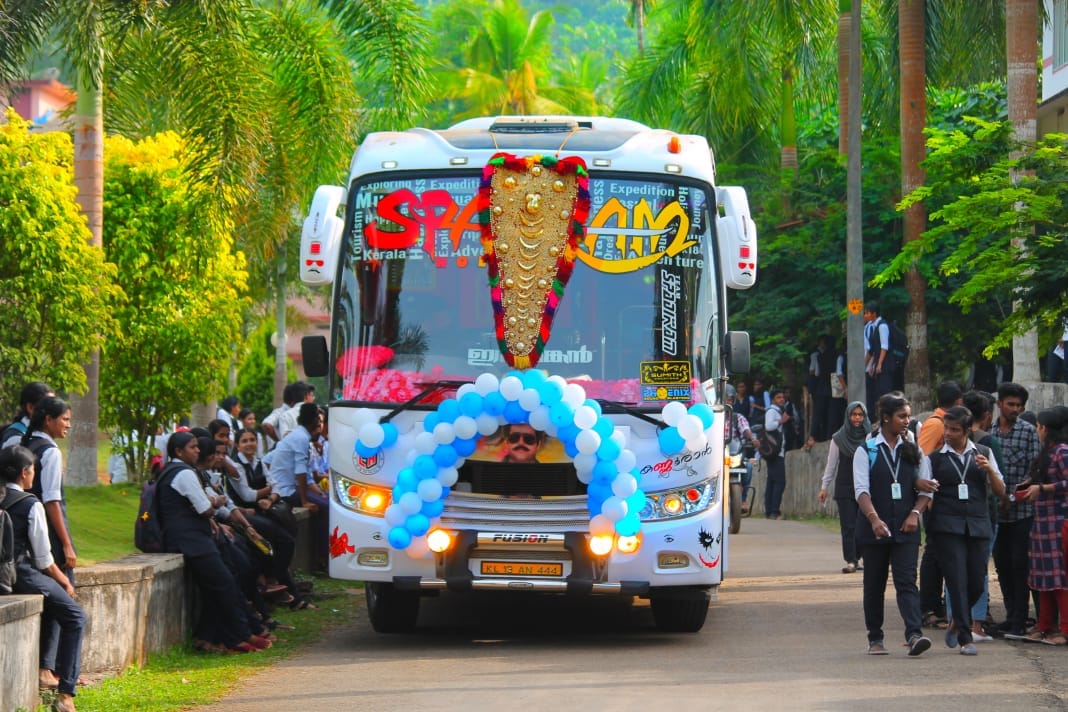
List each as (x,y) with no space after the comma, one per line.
(962,488)
(895,467)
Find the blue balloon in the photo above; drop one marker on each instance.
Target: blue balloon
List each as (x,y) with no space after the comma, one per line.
(390,432)
(432,509)
(571,449)
(514,372)
(705,413)
(445,455)
(431,421)
(407,480)
(550,392)
(465,447)
(629,525)
(636,502)
(609,450)
(604,427)
(425,467)
(445,492)
(399,538)
(594,404)
(532,378)
(671,443)
(448,410)
(418,524)
(599,491)
(365,451)
(515,413)
(561,414)
(568,433)
(493,403)
(399,492)
(604,471)
(471,405)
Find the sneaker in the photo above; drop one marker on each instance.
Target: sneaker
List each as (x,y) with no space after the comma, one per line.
(951,637)
(918,645)
(876,647)
(969,649)
(981,637)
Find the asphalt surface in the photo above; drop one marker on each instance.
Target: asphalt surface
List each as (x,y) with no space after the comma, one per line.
(786,633)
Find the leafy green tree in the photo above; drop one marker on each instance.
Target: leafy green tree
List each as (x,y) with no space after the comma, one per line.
(56,294)
(255,371)
(184,288)
(1002,217)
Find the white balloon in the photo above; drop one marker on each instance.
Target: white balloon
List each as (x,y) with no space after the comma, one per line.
(447,476)
(539,417)
(585,461)
(395,516)
(574,395)
(697,444)
(673,412)
(487,424)
(529,398)
(363,416)
(409,458)
(430,490)
(601,525)
(615,508)
(410,503)
(626,460)
(425,443)
(418,548)
(443,433)
(486,383)
(511,387)
(584,476)
(372,435)
(690,426)
(618,438)
(624,485)
(560,381)
(465,427)
(465,389)
(587,441)
(585,417)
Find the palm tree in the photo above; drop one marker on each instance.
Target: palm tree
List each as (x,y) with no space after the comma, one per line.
(506,64)
(639,10)
(1022,57)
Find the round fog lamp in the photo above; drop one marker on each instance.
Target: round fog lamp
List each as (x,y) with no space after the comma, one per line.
(438,541)
(672,504)
(601,545)
(628,544)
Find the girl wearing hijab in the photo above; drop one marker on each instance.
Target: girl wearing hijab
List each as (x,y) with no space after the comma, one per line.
(839,470)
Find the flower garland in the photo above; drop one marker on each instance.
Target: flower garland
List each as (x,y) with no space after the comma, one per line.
(533,213)
(599,452)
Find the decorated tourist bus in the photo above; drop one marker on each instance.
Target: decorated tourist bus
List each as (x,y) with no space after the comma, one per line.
(528,347)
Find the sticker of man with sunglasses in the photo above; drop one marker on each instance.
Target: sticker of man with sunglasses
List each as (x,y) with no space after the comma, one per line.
(521,443)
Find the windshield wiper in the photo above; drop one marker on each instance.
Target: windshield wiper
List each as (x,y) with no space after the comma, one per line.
(433,387)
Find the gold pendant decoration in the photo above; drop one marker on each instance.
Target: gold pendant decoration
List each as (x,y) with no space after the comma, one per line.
(533,213)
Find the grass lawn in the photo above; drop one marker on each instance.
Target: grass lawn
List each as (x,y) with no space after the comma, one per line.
(102,520)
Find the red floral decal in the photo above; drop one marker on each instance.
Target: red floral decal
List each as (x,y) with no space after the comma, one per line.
(339,545)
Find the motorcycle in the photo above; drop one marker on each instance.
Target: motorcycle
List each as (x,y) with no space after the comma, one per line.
(739,460)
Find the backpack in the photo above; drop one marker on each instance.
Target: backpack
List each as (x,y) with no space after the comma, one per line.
(8,498)
(17,428)
(899,343)
(148,531)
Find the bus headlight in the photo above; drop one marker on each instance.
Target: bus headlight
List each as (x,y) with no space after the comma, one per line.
(680,502)
(360,497)
(438,541)
(601,545)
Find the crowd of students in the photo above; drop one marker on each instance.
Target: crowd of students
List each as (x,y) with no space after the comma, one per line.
(978,487)
(225,494)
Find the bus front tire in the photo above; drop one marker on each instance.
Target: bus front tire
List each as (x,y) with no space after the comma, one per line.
(680,614)
(390,610)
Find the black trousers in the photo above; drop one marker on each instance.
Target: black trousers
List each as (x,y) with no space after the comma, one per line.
(223,616)
(931,581)
(67,617)
(879,561)
(1012,564)
(963,561)
(847,524)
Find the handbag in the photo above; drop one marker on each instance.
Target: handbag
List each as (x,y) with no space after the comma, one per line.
(770,444)
(282,515)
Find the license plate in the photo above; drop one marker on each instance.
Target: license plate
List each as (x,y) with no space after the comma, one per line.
(524,568)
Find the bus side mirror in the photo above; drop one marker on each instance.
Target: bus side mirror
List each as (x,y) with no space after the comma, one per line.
(316,356)
(735,351)
(320,236)
(736,237)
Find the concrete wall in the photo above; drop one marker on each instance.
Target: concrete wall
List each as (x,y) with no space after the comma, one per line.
(20,625)
(803,473)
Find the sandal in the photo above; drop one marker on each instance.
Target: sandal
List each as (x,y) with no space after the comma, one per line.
(933,620)
(303,604)
(204,646)
(1056,639)
(1035,636)
(849,568)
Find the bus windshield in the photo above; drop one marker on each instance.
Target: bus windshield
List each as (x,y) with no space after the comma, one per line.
(638,322)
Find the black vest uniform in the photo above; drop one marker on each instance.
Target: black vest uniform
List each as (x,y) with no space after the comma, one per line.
(827,360)
(38,446)
(843,479)
(184,531)
(254,478)
(20,524)
(892,511)
(949,513)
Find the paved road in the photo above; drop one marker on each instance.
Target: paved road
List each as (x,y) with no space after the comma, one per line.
(786,633)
